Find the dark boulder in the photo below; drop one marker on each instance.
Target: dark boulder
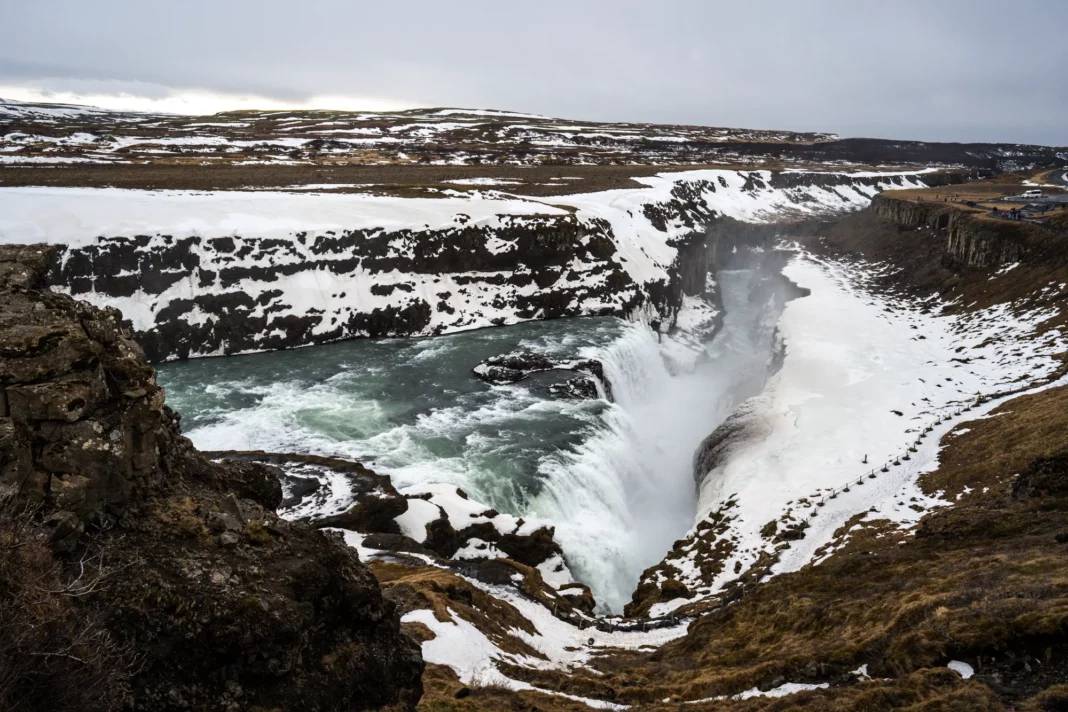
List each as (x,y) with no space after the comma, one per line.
(224,605)
(518,365)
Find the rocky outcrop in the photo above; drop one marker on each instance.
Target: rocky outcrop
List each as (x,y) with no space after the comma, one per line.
(229,295)
(519,365)
(736,244)
(227,606)
(431,524)
(971,239)
(83,417)
(369,504)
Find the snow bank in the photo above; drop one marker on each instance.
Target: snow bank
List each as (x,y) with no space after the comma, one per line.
(865,378)
(79,216)
(464,648)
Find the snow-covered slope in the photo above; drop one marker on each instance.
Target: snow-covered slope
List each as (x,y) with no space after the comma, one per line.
(231,272)
(868,387)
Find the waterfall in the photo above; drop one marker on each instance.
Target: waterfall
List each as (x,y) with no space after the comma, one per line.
(615,479)
(623,496)
(615,509)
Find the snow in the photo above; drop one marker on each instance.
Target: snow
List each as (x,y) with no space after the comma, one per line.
(19,109)
(783,690)
(301,218)
(81,215)
(464,648)
(1006,269)
(872,174)
(489,112)
(426,502)
(460,645)
(854,361)
(646,251)
(328,186)
(355,540)
(963,669)
(554,572)
(415,519)
(333,496)
(478,549)
(461,511)
(483,181)
(46,159)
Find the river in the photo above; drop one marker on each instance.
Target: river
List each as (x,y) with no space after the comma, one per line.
(614,478)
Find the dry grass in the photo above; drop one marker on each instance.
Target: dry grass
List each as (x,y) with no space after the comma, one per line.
(984,581)
(403,180)
(54,655)
(998,447)
(393,179)
(976,579)
(443,692)
(982,190)
(986,194)
(448,595)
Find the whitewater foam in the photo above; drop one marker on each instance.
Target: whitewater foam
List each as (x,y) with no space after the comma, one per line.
(615,479)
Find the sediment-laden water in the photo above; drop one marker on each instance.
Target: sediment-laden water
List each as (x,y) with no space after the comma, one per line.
(615,479)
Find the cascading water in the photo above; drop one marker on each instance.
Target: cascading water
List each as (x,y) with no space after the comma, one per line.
(624,495)
(615,479)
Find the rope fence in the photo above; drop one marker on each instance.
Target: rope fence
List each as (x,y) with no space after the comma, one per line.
(945,417)
(825,495)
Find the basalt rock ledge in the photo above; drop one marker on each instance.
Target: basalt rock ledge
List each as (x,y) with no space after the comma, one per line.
(173,570)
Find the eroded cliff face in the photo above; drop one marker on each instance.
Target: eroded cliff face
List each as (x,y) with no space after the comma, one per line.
(970,239)
(226,295)
(222,274)
(222,604)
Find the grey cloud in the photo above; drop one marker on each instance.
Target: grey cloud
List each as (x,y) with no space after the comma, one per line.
(947,70)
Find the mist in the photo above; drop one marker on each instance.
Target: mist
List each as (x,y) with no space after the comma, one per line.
(624,496)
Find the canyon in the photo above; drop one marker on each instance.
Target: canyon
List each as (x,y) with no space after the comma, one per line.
(739,437)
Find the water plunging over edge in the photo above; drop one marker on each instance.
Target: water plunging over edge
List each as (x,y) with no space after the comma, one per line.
(615,479)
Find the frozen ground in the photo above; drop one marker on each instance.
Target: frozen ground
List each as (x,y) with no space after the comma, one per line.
(53,133)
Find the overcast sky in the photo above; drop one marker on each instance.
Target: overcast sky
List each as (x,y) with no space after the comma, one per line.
(951,70)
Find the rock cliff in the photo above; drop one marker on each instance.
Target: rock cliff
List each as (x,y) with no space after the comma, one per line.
(182,561)
(971,239)
(223,273)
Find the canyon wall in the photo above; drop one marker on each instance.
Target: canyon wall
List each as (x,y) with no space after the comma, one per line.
(971,238)
(225,273)
(177,580)
(223,295)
